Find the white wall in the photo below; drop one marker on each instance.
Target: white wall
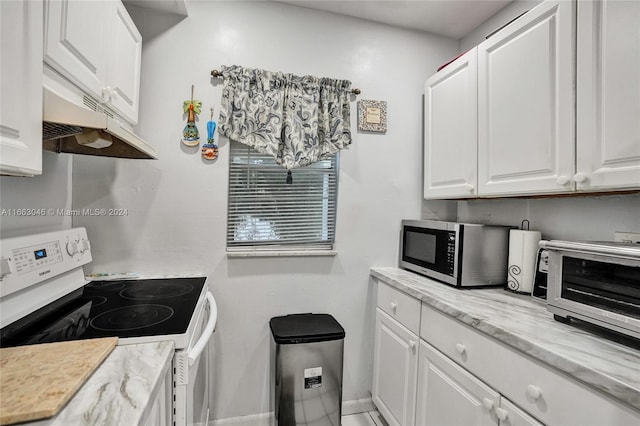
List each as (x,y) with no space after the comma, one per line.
(49,191)
(506,14)
(177,205)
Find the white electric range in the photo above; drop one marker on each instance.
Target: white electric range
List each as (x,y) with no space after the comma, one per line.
(44,297)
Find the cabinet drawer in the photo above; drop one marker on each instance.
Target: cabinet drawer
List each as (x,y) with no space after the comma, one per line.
(544,393)
(400,306)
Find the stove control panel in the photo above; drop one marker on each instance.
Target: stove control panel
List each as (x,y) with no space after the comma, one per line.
(29,260)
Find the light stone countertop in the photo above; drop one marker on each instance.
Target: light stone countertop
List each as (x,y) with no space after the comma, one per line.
(121,391)
(582,352)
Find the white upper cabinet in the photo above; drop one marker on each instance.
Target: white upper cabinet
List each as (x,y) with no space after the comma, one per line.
(97,47)
(76,41)
(526,109)
(21,88)
(608,95)
(123,68)
(450,139)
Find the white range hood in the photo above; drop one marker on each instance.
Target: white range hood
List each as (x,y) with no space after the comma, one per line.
(71,128)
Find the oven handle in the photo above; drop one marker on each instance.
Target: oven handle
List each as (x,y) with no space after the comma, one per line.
(197,349)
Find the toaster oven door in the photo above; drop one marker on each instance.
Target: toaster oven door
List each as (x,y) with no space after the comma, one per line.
(600,289)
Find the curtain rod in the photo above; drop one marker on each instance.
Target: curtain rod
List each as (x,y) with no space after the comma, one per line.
(218,74)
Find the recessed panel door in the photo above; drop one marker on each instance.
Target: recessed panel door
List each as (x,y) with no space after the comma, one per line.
(608,95)
(394,373)
(451,131)
(526,137)
(76,41)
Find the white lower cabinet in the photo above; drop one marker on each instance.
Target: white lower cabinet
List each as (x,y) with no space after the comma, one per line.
(510,415)
(441,372)
(160,413)
(450,395)
(395,370)
(539,391)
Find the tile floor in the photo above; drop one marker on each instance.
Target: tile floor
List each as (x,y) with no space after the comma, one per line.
(371,418)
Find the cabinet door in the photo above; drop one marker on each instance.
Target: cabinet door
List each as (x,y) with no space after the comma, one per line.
(123,69)
(161,410)
(449,395)
(451,131)
(21,88)
(76,41)
(510,415)
(526,139)
(608,95)
(395,362)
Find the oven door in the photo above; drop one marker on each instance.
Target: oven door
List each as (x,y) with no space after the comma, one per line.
(600,289)
(192,371)
(430,250)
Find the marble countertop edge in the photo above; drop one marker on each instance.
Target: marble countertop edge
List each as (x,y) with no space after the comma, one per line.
(123,387)
(602,382)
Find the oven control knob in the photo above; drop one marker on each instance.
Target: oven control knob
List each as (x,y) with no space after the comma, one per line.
(6,267)
(84,245)
(72,248)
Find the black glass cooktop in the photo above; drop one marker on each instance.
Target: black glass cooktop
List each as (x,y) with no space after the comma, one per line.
(127,308)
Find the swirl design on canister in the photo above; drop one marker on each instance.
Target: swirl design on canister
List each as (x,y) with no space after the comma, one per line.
(512,282)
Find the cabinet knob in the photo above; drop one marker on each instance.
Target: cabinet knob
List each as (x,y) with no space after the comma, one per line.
(563,180)
(488,404)
(107,93)
(502,414)
(393,306)
(460,348)
(580,177)
(470,187)
(412,345)
(534,392)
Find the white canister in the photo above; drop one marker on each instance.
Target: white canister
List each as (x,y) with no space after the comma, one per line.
(523,248)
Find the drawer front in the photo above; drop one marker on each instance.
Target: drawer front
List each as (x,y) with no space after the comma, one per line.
(542,392)
(400,306)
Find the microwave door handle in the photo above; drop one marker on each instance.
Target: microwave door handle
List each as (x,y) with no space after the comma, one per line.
(197,349)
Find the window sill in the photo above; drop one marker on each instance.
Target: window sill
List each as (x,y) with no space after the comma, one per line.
(282,253)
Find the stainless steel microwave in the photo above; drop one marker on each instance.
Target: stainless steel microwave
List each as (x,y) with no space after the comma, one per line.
(458,254)
(597,282)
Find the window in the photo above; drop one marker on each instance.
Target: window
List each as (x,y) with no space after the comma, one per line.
(265,213)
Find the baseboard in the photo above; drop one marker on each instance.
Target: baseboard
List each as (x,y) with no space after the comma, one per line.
(357,406)
(266,419)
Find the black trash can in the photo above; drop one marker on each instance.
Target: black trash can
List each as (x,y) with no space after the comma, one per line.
(307,369)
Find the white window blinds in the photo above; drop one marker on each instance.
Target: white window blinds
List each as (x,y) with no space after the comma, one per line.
(266,213)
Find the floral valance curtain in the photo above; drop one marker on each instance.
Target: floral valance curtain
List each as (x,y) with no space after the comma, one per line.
(297,120)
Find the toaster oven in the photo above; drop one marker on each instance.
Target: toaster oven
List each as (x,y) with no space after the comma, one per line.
(597,282)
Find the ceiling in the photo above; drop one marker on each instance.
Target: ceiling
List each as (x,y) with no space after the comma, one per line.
(449,18)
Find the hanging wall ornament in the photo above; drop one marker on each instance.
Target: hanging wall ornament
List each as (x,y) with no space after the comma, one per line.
(210,149)
(190,134)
